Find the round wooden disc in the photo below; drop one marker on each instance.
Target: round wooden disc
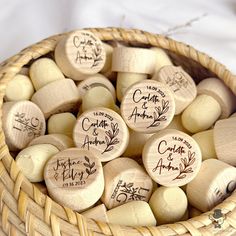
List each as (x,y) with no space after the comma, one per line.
(180,83)
(80,52)
(148,106)
(172,158)
(74,178)
(103,132)
(22,122)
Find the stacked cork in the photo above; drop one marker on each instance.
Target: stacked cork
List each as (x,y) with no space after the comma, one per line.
(110,129)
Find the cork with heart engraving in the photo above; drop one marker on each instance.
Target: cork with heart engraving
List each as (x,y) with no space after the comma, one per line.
(148,106)
(101,131)
(172,158)
(74,178)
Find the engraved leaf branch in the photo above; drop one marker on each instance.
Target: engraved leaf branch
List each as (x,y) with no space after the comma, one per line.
(158,115)
(184,167)
(110,137)
(89,166)
(129,189)
(97,55)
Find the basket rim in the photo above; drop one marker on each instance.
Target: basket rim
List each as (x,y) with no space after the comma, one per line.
(19,197)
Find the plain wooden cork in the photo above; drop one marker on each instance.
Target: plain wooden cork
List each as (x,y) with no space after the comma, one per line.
(215,181)
(180,83)
(108,62)
(74,178)
(44,71)
(57,97)
(148,106)
(125,180)
(98,213)
(79,53)
(60,141)
(172,158)
(176,123)
(101,131)
(22,121)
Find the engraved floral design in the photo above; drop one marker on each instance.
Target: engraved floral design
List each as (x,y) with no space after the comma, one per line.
(184,167)
(110,137)
(158,115)
(89,166)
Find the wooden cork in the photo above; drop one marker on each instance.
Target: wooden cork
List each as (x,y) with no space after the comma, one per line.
(98,213)
(169,204)
(180,83)
(96,80)
(172,158)
(57,97)
(205,141)
(108,62)
(148,106)
(215,181)
(224,139)
(176,123)
(19,88)
(74,178)
(32,160)
(135,213)
(22,121)
(125,180)
(201,114)
(44,71)
(220,92)
(103,132)
(78,53)
(62,123)
(60,141)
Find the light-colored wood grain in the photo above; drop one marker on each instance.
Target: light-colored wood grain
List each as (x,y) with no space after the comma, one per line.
(98,213)
(172,158)
(95,80)
(44,71)
(215,181)
(22,121)
(148,106)
(133,60)
(42,187)
(74,178)
(205,141)
(58,96)
(169,204)
(32,160)
(103,132)
(19,88)
(62,123)
(108,62)
(220,92)
(97,97)
(176,123)
(78,53)
(136,213)
(137,141)
(180,83)
(125,180)
(225,140)
(60,141)
(201,114)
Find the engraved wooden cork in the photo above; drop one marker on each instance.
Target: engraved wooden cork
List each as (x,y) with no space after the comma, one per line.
(22,121)
(132,65)
(98,213)
(125,180)
(95,81)
(220,92)
(172,158)
(180,83)
(101,131)
(148,106)
(224,134)
(60,141)
(78,53)
(57,97)
(215,181)
(74,178)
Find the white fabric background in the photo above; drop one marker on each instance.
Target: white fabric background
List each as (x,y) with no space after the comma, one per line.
(208,25)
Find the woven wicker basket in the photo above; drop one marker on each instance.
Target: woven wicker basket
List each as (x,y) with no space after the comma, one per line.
(24,210)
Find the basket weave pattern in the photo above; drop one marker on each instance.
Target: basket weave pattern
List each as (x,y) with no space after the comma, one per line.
(24,210)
